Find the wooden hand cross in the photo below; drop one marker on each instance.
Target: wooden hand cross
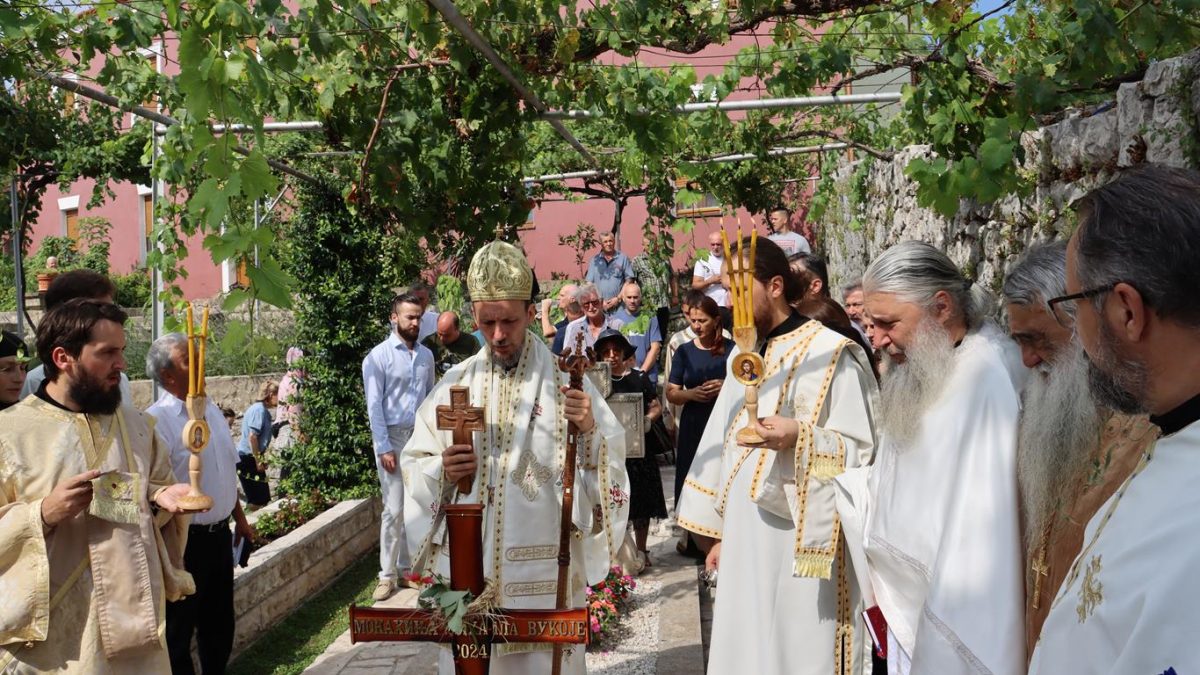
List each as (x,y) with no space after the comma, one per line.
(462,419)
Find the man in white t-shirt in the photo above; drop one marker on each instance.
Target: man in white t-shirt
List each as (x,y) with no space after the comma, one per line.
(782,234)
(707,276)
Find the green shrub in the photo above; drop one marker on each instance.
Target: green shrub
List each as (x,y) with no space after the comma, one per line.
(8,288)
(292,513)
(133,289)
(341,314)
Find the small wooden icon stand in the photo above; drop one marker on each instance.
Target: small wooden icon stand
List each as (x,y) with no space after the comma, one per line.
(745,335)
(196,433)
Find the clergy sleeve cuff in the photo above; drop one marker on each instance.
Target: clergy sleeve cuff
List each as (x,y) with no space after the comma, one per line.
(588,442)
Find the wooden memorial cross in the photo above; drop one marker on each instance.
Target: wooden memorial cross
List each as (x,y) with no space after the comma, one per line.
(460,418)
(472,648)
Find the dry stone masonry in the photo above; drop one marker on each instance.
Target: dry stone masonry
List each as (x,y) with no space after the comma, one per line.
(1155,120)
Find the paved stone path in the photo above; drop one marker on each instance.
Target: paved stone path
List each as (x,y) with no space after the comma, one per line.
(681,648)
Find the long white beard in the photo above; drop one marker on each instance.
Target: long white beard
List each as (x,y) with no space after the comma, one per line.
(909,388)
(1059,434)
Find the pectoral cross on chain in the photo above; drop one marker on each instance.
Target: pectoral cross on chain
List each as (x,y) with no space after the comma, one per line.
(461,419)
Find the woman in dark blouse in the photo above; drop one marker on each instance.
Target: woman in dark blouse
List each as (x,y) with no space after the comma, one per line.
(697,372)
(646,499)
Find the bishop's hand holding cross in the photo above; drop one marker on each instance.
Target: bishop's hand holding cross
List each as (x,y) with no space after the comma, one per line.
(458,460)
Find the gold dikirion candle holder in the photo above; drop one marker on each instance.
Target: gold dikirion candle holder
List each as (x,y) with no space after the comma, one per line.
(196,432)
(748,367)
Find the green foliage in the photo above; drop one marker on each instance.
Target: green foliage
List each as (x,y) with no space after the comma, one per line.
(8,289)
(291,514)
(93,232)
(451,605)
(450,295)
(447,169)
(133,289)
(583,242)
(341,314)
(240,350)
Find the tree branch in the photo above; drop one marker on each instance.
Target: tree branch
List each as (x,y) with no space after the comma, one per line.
(592,46)
(797,134)
(912,62)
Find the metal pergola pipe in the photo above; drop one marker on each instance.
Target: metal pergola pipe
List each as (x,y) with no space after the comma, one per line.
(754,104)
(155,116)
(774,152)
(741,157)
(685,109)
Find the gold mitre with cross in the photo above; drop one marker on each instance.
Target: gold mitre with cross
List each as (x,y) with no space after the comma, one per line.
(499,271)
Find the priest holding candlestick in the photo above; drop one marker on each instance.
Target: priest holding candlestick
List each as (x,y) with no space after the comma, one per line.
(795,410)
(516,409)
(90,543)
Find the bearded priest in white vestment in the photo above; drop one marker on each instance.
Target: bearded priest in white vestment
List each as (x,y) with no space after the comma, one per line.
(1129,602)
(786,603)
(517,465)
(937,513)
(85,564)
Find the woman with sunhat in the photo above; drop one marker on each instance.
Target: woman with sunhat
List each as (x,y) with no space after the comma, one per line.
(646,499)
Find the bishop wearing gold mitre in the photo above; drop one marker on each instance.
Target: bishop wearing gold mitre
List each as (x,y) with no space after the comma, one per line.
(795,410)
(89,547)
(515,464)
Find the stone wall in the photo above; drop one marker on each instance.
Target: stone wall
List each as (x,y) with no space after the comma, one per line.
(285,573)
(1154,120)
(233,391)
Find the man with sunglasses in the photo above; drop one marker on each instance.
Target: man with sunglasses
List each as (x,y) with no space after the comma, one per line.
(1072,453)
(1128,604)
(593,322)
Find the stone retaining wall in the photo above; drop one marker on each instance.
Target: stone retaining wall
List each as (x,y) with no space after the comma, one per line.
(1155,120)
(285,573)
(233,391)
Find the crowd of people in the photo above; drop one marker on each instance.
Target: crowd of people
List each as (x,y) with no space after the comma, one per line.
(931,493)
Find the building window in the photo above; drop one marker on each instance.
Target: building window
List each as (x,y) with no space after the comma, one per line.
(706,205)
(528,224)
(71,223)
(243,279)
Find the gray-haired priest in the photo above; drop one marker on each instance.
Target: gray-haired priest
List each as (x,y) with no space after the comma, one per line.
(517,463)
(208,613)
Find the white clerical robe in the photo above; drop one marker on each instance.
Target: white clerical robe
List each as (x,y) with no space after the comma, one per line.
(1129,604)
(88,595)
(519,482)
(785,602)
(937,522)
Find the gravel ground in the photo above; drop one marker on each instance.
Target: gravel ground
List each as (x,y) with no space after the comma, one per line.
(633,649)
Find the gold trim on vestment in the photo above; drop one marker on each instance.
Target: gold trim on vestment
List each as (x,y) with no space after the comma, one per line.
(698,529)
(813,561)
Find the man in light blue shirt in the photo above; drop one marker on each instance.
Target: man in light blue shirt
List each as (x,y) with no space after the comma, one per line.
(397,375)
(609,270)
(641,327)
